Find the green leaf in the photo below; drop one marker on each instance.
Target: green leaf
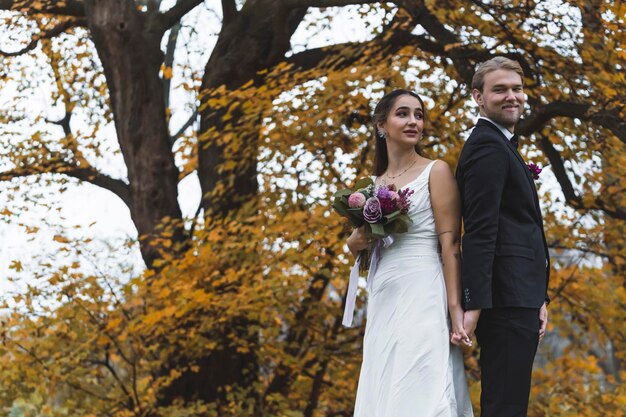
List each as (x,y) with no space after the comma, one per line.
(391,217)
(363,183)
(356,211)
(343,193)
(353,215)
(378,231)
(399,225)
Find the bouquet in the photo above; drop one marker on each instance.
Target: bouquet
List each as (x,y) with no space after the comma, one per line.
(382,210)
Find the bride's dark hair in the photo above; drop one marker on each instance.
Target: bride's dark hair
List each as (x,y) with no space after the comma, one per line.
(381,112)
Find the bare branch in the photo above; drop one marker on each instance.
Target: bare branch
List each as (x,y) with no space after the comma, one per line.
(609,119)
(168,61)
(93,176)
(292,4)
(87,174)
(64,123)
(558,168)
(44,365)
(47,34)
(571,198)
(543,114)
(312,58)
(184,127)
(229,10)
(106,363)
(177,12)
(74,8)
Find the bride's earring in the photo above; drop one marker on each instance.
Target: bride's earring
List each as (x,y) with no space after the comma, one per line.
(381,134)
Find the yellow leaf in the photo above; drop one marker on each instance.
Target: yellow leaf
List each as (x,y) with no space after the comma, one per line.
(16,265)
(167,72)
(61,239)
(114,323)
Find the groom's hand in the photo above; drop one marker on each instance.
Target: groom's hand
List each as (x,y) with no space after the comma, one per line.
(470,320)
(543,321)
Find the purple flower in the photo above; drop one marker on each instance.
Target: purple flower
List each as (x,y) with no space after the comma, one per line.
(403,202)
(372,211)
(386,197)
(383,193)
(356,200)
(534,170)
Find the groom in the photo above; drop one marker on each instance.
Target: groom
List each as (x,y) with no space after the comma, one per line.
(505,256)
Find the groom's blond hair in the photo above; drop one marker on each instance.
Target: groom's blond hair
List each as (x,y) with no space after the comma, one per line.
(499,62)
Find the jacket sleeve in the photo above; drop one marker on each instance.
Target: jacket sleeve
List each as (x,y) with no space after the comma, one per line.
(484,171)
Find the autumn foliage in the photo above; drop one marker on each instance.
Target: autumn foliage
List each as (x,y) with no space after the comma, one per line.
(238,311)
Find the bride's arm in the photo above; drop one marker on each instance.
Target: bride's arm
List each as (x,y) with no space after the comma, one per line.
(446,204)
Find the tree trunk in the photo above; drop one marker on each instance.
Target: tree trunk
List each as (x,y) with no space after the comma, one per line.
(131,57)
(255,38)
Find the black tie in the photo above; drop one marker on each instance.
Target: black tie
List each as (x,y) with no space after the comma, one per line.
(515,141)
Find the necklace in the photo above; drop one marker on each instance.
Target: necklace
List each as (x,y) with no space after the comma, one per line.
(392,177)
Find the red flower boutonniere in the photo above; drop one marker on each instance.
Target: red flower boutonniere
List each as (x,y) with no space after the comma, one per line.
(534,170)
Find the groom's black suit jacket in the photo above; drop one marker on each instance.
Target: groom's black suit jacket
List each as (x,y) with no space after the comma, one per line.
(505,255)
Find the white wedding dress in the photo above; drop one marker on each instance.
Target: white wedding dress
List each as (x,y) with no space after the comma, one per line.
(409,368)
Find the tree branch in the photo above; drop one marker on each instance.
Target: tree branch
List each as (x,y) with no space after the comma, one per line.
(74,8)
(106,363)
(64,123)
(558,168)
(229,11)
(184,127)
(609,119)
(46,34)
(543,114)
(93,176)
(312,58)
(571,198)
(168,61)
(87,174)
(292,4)
(177,12)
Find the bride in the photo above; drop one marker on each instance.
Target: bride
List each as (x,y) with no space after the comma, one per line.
(412,364)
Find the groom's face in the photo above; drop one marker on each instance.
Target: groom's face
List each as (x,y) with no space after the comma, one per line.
(502,99)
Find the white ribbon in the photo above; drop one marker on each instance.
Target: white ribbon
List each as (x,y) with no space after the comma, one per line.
(353,284)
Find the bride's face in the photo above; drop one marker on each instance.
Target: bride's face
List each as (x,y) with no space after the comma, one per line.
(405,121)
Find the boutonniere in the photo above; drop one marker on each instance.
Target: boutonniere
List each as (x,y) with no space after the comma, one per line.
(534,170)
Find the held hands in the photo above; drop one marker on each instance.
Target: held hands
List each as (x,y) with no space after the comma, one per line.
(463,326)
(470,320)
(458,335)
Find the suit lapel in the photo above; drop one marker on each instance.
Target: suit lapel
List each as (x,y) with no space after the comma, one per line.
(529,177)
(521,160)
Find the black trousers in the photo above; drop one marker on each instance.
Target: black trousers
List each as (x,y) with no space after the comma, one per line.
(508,339)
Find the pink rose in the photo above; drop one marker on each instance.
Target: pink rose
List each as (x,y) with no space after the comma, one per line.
(356,200)
(394,196)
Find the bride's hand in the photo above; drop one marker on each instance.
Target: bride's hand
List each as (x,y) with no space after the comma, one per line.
(458,335)
(358,241)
